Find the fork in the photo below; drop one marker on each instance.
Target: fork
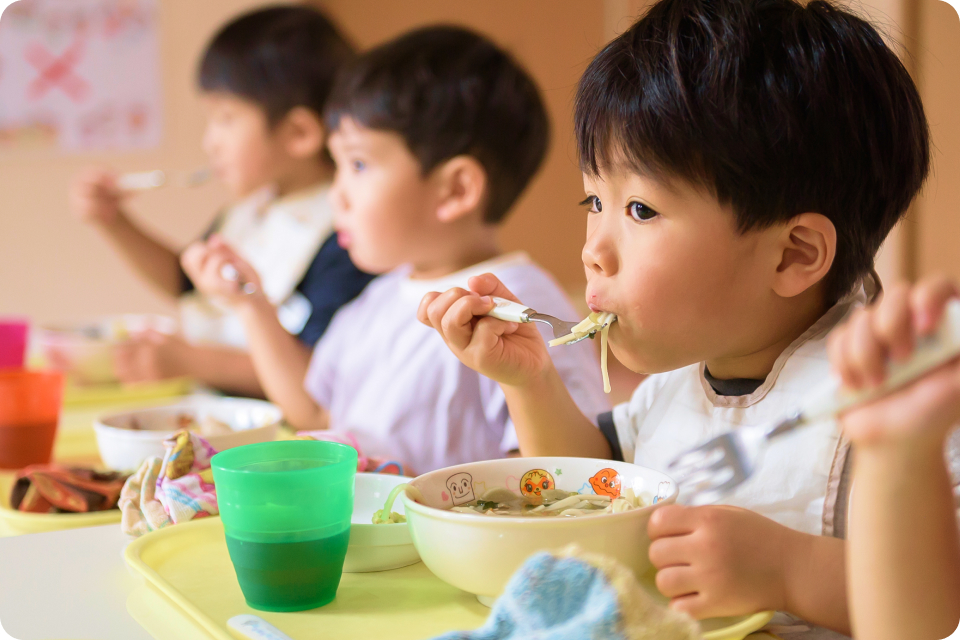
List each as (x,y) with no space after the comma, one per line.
(149,180)
(709,471)
(510,311)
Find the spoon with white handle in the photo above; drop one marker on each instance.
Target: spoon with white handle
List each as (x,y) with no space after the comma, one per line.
(509,311)
(149,180)
(720,465)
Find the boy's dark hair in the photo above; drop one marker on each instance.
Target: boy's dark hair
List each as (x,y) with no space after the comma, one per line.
(279,57)
(775,107)
(448,91)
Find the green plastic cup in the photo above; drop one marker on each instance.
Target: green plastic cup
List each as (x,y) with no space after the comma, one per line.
(286,509)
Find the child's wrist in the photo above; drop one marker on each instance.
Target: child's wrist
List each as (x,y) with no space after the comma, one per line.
(249,306)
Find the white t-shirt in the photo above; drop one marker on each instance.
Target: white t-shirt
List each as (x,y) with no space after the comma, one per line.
(674,411)
(393,383)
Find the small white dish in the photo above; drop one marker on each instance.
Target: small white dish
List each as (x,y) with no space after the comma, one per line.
(377,547)
(123,447)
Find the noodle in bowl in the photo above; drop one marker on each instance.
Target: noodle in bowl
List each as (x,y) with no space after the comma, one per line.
(479,552)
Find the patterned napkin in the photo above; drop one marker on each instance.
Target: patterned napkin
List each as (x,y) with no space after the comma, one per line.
(176,489)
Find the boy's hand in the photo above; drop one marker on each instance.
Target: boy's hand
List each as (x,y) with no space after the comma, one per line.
(510,353)
(151,356)
(95,198)
(922,412)
(204,262)
(718,561)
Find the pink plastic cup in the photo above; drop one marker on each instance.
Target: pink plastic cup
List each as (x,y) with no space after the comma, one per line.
(13,342)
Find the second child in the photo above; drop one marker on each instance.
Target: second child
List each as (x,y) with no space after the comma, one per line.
(435,135)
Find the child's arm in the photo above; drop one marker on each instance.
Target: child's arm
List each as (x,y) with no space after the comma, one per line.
(904,556)
(96,199)
(547,420)
(280,360)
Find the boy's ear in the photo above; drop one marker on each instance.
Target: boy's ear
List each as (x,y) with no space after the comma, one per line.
(302,133)
(463,187)
(807,247)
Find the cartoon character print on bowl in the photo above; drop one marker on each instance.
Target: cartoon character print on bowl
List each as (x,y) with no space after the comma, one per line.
(535,482)
(663,492)
(606,482)
(461,488)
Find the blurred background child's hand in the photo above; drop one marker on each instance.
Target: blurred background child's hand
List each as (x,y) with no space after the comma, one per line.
(924,411)
(95,197)
(151,356)
(510,353)
(204,264)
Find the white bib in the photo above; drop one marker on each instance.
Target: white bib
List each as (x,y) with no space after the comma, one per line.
(279,238)
(672,412)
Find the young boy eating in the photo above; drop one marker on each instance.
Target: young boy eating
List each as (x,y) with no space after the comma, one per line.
(265,79)
(435,135)
(743,161)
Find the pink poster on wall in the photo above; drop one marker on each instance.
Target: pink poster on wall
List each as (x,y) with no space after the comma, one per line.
(80,75)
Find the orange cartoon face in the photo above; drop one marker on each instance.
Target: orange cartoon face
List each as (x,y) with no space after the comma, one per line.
(606,483)
(534,482)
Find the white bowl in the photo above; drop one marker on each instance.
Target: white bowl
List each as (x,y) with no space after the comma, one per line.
(124,448)
(85,351)
(479,553)
(377,547)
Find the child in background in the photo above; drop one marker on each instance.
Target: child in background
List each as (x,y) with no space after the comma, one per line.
(435,135)
(743,161)
(265,79)
(904,553)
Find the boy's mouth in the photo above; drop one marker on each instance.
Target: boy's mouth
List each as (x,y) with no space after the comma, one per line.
(344,239)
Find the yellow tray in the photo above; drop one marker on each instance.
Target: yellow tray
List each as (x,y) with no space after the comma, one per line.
(191,584)
(109,394)
(14,523)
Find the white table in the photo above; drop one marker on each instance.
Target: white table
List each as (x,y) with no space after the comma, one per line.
(67,584)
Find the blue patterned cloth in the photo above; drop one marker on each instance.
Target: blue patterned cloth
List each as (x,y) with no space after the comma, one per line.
(555,598)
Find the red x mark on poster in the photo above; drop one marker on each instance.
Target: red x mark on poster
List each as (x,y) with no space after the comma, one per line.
(57,71)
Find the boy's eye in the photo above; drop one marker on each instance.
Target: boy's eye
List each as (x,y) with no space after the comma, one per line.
(594,204)
(359,165)
(641,212)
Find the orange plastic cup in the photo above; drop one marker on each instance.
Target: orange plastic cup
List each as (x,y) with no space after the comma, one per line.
(29,410)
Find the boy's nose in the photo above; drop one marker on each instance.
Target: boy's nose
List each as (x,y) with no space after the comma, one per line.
(598,255)
(338,198)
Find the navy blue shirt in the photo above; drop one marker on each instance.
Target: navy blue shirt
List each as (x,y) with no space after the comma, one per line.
(330,282)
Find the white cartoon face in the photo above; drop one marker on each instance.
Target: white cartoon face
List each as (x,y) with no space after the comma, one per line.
(461,488)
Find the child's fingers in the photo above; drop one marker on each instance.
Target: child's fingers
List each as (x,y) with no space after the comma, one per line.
(928,300)
(676,582)
(423,311)
(672,551)
(457,323)
(836,352)
(893,322)
(488,284)
(192,258)
(867,356)
(672,520)
(695,605)
(489,331)
(441,305)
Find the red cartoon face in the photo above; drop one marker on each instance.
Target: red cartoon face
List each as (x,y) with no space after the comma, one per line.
(606,483)
(535,482)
